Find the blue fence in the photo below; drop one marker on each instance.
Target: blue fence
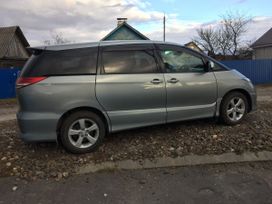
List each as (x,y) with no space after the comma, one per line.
(258,71)
(8,78)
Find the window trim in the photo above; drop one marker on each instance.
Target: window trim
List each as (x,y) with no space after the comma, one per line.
(123,48)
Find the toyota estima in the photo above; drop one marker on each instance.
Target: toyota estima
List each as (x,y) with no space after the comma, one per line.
(76,94)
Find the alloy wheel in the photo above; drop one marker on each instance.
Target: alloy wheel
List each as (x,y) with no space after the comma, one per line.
(236,109)
(83,133)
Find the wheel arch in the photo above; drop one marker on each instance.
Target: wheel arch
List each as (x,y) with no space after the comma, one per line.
(82,108)
(244,92)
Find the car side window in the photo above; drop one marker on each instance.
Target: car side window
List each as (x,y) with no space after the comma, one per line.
(130,61)
(181,62)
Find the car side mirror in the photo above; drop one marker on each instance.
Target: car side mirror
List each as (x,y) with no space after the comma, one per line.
(211,65)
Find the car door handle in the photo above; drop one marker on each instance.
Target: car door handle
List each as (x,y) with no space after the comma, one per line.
(173,80)
(156,81)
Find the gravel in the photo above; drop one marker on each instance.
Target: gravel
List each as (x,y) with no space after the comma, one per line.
(47,160)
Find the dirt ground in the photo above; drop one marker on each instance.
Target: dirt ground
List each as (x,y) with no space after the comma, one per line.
(47,160)
(264,92)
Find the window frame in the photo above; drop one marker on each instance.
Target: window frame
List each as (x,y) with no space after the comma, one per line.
(161,47)
(126,47)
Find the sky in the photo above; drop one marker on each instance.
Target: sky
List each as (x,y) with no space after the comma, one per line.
(91,20)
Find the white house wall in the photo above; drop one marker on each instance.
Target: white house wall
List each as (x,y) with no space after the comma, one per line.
(263,53)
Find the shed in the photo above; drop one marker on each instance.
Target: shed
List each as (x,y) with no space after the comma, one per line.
(13,52)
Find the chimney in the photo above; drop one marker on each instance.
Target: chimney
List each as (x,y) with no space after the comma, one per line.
(120,21)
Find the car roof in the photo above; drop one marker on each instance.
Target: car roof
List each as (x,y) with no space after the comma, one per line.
(100,43)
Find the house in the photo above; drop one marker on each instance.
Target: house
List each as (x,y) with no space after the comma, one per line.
(193,46)
(124,31)
(13,52)
(262,48)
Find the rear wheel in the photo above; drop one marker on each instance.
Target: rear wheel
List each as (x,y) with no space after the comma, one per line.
(82,132)
(234,108)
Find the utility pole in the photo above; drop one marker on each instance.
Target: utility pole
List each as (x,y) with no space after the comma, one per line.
(164,27)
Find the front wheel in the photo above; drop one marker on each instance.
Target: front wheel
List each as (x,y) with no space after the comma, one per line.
(82,132)
(234,108)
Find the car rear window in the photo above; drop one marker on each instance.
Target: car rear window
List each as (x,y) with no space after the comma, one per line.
(65,62)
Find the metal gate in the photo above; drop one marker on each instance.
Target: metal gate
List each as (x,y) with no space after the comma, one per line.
(8,78)
(258,71)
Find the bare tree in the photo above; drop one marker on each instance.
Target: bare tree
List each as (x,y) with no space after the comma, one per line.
(246,51)
(56,39)
(225,38)
(207,39)
(235,25)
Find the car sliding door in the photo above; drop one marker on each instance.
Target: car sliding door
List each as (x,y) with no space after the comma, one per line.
(129,86)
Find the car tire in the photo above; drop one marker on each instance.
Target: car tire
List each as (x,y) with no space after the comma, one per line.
(233,108)
(82,132)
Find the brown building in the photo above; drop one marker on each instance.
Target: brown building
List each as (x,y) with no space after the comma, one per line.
(13,52)
(262,48)
(193,46)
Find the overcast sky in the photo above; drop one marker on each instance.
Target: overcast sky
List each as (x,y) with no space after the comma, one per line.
(90,20)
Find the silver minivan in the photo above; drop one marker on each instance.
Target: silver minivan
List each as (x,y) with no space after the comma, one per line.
(76,94)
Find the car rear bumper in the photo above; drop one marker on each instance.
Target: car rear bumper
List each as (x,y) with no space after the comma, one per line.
(37,127)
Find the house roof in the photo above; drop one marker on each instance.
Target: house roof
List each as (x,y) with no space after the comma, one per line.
(264,41)
(6,36)
(122,26)
(193,45)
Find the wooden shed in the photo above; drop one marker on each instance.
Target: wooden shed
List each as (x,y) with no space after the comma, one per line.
(13,52)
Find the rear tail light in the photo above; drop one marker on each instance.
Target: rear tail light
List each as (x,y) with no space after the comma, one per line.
(26,81)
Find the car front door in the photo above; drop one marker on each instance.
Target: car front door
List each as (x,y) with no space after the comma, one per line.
(191,88)
(130,87)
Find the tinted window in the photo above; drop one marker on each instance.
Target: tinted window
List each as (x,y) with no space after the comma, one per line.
(133,61)
(178,61)
(67,62)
